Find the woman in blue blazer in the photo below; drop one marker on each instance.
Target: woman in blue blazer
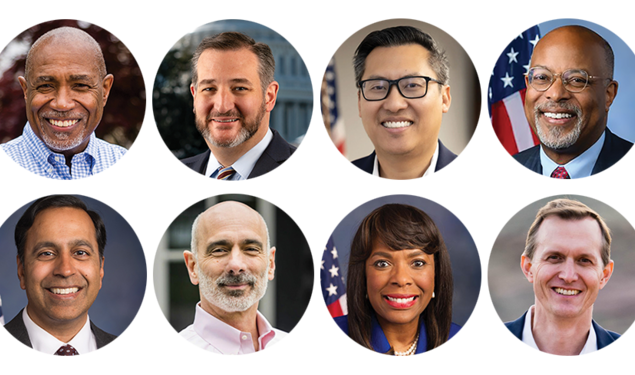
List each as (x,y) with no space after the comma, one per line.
(399,286)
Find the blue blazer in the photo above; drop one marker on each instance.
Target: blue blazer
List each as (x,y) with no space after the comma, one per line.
(445,157)
(604,336)
(612,151)
(378,340)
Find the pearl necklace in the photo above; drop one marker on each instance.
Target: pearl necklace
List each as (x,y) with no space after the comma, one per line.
(410,350)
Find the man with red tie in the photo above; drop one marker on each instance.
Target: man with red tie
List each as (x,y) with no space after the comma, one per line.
(570,89)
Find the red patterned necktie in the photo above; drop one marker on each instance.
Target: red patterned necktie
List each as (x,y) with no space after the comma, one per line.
(66,350)
(225,173)
(560,173)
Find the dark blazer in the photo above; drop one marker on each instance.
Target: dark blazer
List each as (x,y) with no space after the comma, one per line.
(276,153)
(445,157)
(604,337)
(612,151)
(378,339)
(17,328)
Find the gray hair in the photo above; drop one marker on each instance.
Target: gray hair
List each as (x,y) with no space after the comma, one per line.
(70,35)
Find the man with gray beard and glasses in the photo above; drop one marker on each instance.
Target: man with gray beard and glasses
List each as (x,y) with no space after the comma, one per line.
(231,261)
(570,89)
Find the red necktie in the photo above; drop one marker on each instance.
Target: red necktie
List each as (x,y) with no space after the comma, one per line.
(560,173)
(66,350)
(225,173)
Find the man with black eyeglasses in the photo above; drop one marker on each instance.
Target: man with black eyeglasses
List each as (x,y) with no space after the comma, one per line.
(570,89)
(402,77)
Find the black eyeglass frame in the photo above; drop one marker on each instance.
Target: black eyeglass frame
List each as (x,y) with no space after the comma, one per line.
(395,82)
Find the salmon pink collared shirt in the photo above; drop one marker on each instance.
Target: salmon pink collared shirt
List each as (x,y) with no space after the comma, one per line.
(214,335)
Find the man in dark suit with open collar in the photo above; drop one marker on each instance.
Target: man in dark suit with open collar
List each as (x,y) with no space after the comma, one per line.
(60,265)
(234,93)
(567,259)
(402,122)
(570,89)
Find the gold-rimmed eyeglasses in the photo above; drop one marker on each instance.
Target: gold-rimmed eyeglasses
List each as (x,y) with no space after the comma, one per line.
(573,80)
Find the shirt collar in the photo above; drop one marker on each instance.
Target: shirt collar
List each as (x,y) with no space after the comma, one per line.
(591,344)
(84,341)
(44,154)
(430,170)
(245,164)
(227,339)
(581,166)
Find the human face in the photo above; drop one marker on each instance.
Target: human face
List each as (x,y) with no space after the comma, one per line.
(396,125)
(230,104)
(65,95)
(399,283)
(233,264)
(568,122)
(62,270)
(567,269)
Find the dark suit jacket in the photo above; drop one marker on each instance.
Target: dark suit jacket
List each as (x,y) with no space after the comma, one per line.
(17,328)
(445,157)
(276,153)
(612,151)
(604,337)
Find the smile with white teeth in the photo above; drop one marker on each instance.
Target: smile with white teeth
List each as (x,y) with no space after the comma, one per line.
(557,115)
(400,300)
(63,124)
(396,124)
(64,290)
(232,120)
(566,292)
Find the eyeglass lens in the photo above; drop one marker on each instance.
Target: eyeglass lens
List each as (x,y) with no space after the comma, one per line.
(573,80)
(409,87)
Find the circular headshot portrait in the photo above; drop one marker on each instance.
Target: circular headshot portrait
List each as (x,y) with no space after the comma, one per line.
(400,275)
(72,274)
(233,274)
(554,100)
(560,275)
(72,99)
(419,126)
(232,100)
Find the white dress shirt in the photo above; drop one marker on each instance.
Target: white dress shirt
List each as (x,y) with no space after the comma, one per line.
(245,164)
(84,341)
(214,335)
(591,344)
(429,170)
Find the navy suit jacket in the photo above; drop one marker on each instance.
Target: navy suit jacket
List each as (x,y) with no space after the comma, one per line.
(17,328)
(612,151)
(604,337)
(445,157)
(378,339)
(276,153)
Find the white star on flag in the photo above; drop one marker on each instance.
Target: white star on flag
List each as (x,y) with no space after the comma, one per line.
(332,290)
(334,271)
(507,80)
(334,252)
(512,56)
(533,42)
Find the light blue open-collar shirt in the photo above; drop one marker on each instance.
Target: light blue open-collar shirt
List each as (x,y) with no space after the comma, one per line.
(245,164)
(581,166)
(31,153)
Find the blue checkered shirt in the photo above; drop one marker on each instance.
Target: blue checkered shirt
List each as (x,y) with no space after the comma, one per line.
(31,153)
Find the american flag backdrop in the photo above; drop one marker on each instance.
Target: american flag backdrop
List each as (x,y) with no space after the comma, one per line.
(333,288)
(330,112)
(506,93)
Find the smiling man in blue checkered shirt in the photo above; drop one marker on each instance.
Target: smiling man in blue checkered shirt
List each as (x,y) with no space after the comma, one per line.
(66,87)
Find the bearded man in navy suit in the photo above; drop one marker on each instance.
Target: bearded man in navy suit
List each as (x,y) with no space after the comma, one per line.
(570,89)
(567,258)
